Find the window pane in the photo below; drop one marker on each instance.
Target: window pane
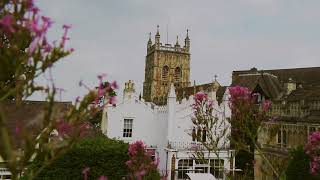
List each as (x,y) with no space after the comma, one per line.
(127,127)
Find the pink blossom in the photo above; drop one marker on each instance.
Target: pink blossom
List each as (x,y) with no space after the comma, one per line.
(134,147)
(33,26)
(312,150)
(18,129)
(29,4)
(200,96)
(101,76)
(85,172)
(129,163)
(35,10)
(112,100)
(163,178)
(65,26)
(239,96)
(34,45)
(103,178)
(7,22)
(64,37)
(71,50)
(47,48)
(114,85)
(266,105)
(64,128)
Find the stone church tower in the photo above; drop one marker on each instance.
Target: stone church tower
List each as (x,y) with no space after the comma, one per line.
(165,65)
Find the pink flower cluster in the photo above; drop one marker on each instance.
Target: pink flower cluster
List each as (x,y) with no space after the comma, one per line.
(240,98)
(140,162)
(85,173)
(66,129)
(36,24)
(239,93)
(106,89)
(200,96)
(312,149)
(201,101)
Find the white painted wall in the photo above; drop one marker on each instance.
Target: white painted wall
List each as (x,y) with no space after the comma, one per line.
(156,125)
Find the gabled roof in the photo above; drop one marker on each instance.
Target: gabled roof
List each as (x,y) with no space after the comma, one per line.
(268,83)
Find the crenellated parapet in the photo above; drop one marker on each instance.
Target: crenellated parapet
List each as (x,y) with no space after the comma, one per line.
(158,46)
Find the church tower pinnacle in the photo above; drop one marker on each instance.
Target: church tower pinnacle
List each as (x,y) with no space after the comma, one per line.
(157,38)
(149,41)
(187,41)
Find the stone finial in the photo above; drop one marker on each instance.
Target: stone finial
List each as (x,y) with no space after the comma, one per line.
(157,37)
(177,43)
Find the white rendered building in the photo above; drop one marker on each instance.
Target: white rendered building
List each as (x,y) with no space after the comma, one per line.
(167,130)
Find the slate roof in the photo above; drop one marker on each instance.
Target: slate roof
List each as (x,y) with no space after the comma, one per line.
(307,93)
(28,116)
(268,83)
(272,83)
(308,75)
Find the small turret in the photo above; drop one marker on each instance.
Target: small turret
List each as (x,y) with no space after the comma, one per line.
(157,38)
(149,41)
(187,41)
(128,91)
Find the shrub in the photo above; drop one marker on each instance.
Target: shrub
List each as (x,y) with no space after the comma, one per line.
(100,155)
(299,166)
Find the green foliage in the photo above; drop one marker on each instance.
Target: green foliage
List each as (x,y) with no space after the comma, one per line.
(299,166)
(95,119)
(153,174)
(244,161)
(102,155)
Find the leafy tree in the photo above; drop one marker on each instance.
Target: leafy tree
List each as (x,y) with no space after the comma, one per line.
(93,157)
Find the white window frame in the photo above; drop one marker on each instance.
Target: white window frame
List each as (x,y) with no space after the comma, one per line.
(127,126)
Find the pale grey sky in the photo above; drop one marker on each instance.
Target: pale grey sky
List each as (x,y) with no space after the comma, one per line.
(111,36)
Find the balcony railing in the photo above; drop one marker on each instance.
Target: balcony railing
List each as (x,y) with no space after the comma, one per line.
(186,145)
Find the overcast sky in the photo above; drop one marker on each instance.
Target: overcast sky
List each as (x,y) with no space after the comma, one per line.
(111,36)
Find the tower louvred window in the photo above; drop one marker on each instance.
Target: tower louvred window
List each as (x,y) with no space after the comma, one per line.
(177,74)
(165,73)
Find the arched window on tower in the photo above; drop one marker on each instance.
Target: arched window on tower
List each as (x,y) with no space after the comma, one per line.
(165,73)
(177,74)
